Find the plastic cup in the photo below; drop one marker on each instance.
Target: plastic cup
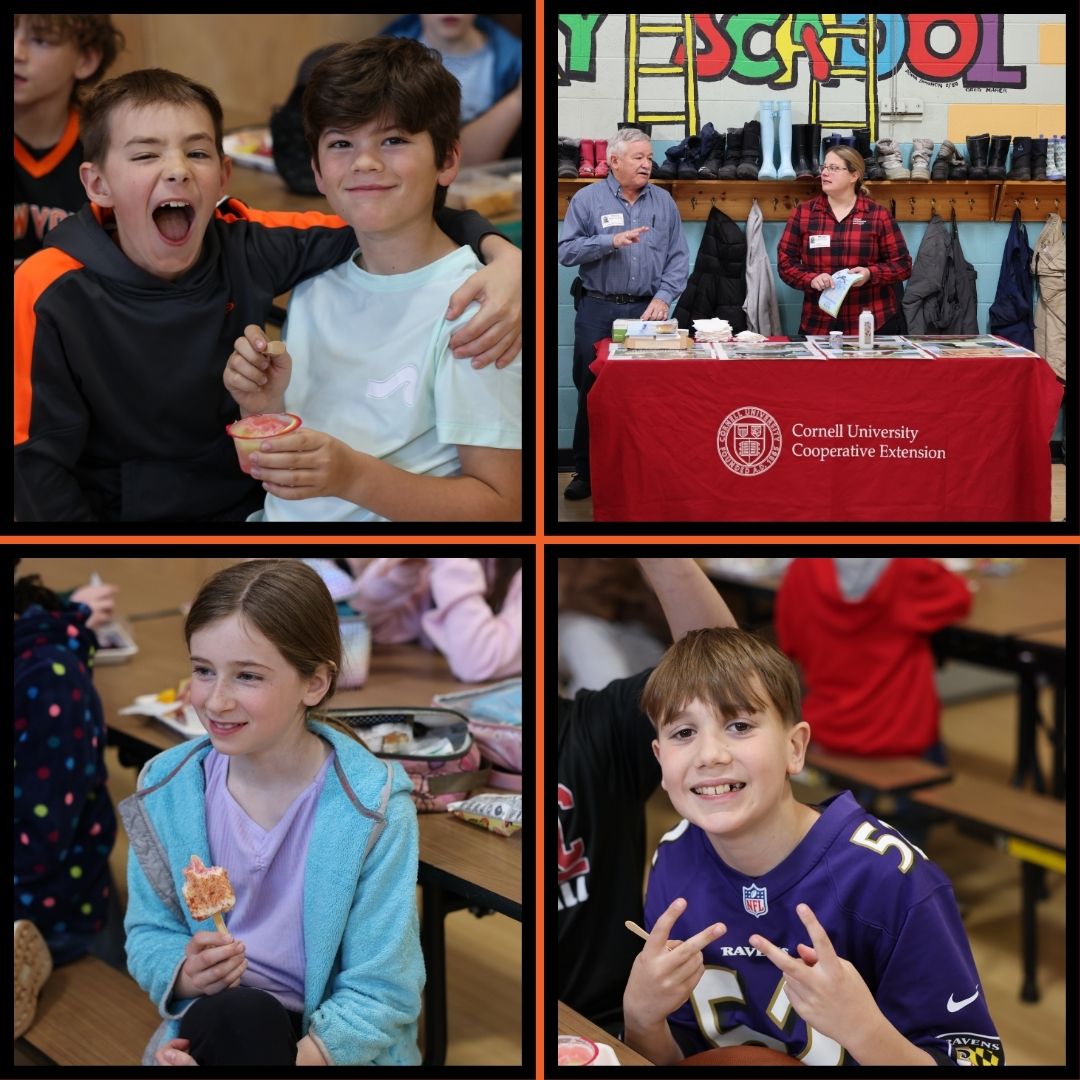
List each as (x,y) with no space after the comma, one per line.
(575,1050)
(355,651)
(252,431)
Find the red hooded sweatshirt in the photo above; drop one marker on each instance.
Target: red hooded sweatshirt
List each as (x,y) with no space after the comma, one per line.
(867,664)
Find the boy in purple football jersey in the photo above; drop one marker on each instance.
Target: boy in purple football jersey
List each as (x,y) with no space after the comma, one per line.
(887,977)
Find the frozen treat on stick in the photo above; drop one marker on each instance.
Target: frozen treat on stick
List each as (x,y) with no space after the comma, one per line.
(208,892)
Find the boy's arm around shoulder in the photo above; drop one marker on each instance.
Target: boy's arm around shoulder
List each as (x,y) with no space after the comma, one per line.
(373,1002)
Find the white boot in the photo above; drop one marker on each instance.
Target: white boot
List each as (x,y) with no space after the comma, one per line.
(767,114)
(889,159)
(920,158)
(786,171)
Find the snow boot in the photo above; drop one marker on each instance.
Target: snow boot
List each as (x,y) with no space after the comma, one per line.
(750,161)
(920,158)
(999,151)
(891,162)
(569,156)
(601,158)
(587,168)
(978,146)
(732,154)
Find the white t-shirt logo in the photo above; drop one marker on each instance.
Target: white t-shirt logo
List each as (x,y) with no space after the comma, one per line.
(408,377)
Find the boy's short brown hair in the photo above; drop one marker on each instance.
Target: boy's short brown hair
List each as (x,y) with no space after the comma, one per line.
(716,667)
(389,79)
(150,86)
(87,32)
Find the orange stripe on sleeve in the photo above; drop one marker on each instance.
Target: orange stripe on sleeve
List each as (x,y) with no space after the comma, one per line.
(32,278)
(308,219)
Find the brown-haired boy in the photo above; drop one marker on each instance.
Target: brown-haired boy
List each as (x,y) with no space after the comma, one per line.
(887,978)
(56,57)
(394,429)
(124,322)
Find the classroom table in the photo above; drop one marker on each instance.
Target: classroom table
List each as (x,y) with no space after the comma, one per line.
(1016,623)
(460,865)
(573,1023)
(660,431)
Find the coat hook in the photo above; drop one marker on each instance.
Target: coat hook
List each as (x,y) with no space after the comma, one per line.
(693,202)
(911,201)
(775,204)
(1036,200)
(971,204)
(712,199)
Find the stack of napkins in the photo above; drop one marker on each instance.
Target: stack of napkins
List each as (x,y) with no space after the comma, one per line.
(712,330)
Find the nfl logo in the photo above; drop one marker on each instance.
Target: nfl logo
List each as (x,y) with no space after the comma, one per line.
(755,900)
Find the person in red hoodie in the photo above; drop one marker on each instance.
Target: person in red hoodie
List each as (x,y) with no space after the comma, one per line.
(860,629)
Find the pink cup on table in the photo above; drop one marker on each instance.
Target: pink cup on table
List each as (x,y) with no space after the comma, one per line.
(576,1050)
(252,431)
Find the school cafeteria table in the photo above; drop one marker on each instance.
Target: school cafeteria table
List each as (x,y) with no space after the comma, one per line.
(573,1023)
(948,439)
(460,865)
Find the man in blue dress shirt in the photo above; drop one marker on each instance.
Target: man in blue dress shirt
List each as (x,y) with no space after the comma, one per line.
(627,237)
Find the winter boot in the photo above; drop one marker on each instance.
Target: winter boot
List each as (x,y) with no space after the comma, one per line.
(999,151)
(1060,159)
(959,168)
(862,143)
(1038,159)
(672,156)
(767,116)
(750,161)
(569,156)
(601,158)
(1052,170)
(891,162)
(688,167)
(921,150)
(1020,166)
(978,147)
(588,165)
(711,165)
(813,144)
(800,137)
(943,161)
(785,171)
(732,154)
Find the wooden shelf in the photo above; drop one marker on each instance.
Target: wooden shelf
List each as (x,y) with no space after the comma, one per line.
(909,200)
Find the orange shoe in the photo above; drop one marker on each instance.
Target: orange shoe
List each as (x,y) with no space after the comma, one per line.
(33,965)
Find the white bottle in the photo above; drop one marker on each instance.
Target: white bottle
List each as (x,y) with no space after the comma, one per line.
(866,330)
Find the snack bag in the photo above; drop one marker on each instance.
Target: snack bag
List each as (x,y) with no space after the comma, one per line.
(498,813)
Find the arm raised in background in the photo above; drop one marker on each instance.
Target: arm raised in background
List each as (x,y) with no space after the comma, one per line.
(689,599)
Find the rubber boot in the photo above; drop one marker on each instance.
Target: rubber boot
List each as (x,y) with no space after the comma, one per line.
(750,160)
(800,137)
(767,116)
(921,150)
(588,165)
(943,161)
(601,158)
(978,147)
(1038,159)
(999,151)
(785,171)
(891,162)
(708,169)
(862,143)
(1020,166)
(813,143)
(732,155)
(569,156)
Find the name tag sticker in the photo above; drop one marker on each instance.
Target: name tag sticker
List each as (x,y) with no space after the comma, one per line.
(610,219)
(819,240)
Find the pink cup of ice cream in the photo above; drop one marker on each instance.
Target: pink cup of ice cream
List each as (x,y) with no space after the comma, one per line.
(575,1050)
(252,431)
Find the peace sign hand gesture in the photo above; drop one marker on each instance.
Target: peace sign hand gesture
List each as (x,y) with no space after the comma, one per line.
(824,989)
(665,972)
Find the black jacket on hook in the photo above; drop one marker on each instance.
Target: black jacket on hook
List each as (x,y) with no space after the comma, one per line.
(717,285)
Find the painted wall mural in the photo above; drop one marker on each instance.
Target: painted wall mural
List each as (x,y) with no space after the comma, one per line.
(781,52)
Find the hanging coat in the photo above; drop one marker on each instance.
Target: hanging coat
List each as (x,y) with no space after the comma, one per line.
(762,314)
(940,295)
(717,287)
(1048,266)
(1010,313)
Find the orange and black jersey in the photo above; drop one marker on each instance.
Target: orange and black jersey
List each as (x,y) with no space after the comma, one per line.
(47,187)
(120,409)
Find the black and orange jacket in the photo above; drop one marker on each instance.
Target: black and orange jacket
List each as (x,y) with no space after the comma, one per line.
(47,187)
(120,409)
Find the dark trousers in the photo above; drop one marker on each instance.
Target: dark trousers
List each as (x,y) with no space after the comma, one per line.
(241,1026)
(592,324)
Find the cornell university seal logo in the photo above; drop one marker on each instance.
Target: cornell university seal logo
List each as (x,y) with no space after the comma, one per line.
(748,441)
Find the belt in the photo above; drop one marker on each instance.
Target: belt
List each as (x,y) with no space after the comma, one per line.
(618,298)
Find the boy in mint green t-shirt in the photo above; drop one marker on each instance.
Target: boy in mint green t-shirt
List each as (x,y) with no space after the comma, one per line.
(394,427)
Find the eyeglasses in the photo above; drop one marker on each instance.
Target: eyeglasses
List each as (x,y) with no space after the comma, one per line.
(834,168)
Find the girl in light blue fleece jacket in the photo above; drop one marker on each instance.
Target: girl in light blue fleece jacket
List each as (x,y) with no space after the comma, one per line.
(321,964)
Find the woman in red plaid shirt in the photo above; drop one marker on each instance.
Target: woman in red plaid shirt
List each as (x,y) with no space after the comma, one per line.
(843,228)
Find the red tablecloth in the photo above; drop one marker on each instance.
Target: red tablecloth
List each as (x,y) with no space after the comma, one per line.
(953,439)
